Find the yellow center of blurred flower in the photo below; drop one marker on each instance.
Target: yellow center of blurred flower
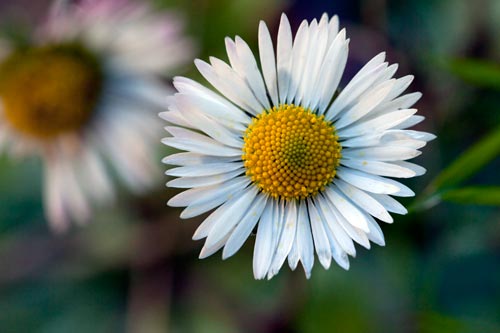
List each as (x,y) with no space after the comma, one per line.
(290,152)
(50,90)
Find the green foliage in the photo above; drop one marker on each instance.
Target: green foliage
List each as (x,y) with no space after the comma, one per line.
(469,162)
(438,323)
(479,195)
(477,72)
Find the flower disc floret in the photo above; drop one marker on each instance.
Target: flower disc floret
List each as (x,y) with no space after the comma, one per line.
(291,152)
(49,90)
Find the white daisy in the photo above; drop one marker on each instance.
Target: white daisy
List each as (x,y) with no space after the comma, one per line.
(85,94)
(278,150)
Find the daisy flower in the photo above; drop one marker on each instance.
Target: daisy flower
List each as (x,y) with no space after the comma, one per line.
(84,95)
(281,150)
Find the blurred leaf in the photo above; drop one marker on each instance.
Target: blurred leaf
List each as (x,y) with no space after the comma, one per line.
(477,72)
(469,162)
(486,195)
(438,323)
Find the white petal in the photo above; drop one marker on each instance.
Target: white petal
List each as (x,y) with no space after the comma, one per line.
(340,256)
(320,238)
(400,86)
(387,74)
(388,141)
(356,234)
(359,84)
(379,168)
(174,117)
(333,28)
(324,21)
(375,235)
(417,169)
(279,216)
(229,215)
(189,182)
(74,197)
(307,80)
(208,251)
(299,57)
(382,153)
(366,103)
(370,65)
(231,86)
(95,178)
(137,167)
(366,140)
(294,255)
(245,227)
(389,203)
(417,135)
(365,201)
(304,240)
(379,124)
(208,224)
(286,238)
(367,182)
(374,184)
(404,191)
(334,227)
(208,101)
(197,143)
(184,159)
(53,198)
(263,250)
(202,194)
(351,213)
(402,102)
(210,127)
(321,49)
(413,138)
(268,62)
(410,122)
(284,57)
(332,70)
(204,169)
(215,198)
(406,101)
(252,73)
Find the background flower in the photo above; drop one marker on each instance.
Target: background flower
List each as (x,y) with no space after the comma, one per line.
(140,269)
(83,93)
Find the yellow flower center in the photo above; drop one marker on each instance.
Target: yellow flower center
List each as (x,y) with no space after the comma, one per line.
(290,152)
(49,90)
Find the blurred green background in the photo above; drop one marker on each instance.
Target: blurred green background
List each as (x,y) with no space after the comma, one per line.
(135,268)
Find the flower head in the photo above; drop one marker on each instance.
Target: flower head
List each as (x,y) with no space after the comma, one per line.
(281,150)
(85,92)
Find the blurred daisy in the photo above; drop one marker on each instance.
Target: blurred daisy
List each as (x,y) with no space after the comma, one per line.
(278,149)
(84,95)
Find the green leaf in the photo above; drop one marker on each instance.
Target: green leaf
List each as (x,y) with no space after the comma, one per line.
(469,162)
(433,322)
(477,195)
(477,72)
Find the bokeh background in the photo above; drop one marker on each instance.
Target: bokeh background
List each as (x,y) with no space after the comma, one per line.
(135,267)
